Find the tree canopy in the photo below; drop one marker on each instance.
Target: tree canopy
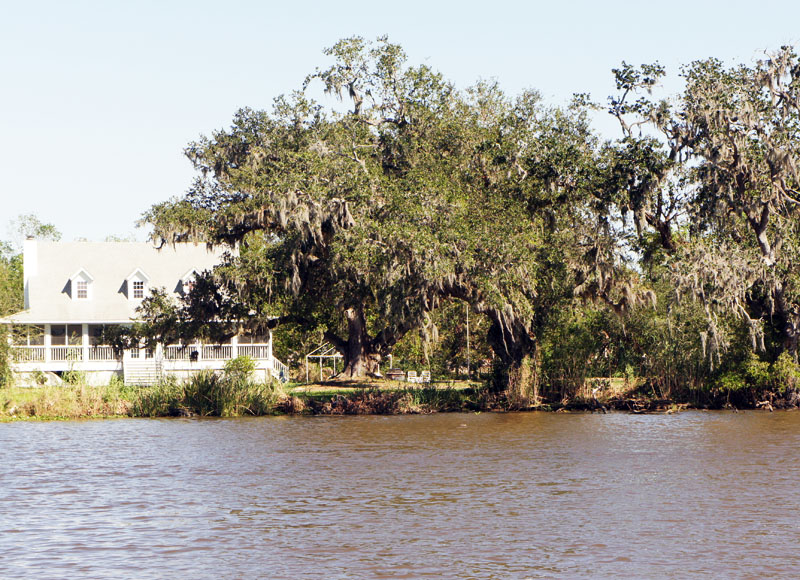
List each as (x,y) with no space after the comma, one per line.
(360,217)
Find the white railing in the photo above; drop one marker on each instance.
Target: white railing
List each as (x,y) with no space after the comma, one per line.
(256,351)
(216,351)
(101,353)
(180,352)
(66,353)
(279,370)
(172,352)
(29,353)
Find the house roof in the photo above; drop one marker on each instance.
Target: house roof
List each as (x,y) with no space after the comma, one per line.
(50,266)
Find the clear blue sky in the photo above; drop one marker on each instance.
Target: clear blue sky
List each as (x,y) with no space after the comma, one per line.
(99,98)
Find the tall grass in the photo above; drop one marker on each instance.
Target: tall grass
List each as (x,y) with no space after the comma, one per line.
(207,394)
(65,402)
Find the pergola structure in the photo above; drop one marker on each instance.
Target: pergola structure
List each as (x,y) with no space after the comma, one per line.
(325,351)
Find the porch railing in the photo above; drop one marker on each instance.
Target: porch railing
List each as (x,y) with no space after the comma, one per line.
(216,351)
(102,353)
(180,352)
(254,350)
(172,352)
(66,353)
(29,353)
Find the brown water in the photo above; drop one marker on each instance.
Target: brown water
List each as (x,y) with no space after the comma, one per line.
(693,495)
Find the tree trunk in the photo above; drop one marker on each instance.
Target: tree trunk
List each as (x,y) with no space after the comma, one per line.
(519,353)
(361,358)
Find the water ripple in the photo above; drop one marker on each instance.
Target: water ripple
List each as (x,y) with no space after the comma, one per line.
(446,496)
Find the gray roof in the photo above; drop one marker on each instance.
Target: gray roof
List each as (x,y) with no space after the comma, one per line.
(50,267)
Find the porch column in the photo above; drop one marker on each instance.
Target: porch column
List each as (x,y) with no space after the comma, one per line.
(234,347)
(47,343)
(85,342)
(269,345)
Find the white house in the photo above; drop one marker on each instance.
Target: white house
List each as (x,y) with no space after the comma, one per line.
(75,290)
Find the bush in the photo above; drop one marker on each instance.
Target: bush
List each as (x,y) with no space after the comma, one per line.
(163,399)
(731,382)
(228,394)
(239,369)
(785,373)
(756,372)
(73,377)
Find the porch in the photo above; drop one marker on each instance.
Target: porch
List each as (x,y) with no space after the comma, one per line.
(144,366)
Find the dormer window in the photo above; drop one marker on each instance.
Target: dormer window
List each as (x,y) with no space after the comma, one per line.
(81,290)
(81,285)
(138,289)
(187,282)
(137,284)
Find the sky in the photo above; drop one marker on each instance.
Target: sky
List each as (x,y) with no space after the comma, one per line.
(99,98)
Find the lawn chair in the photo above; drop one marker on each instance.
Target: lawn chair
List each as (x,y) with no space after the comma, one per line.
(412,377)
(425,377)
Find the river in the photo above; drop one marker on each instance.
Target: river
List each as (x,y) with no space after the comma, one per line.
(536,495)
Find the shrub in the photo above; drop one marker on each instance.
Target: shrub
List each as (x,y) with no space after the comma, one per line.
(240,368)
(756,372)
(73,377)
(166,398)
(785,373)
(731,381)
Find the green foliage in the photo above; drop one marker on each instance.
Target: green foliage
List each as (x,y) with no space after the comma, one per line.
(359,225)
(206,393)
(756,372)
(74,377)
(731,382)
(65,402)
(29,226)
(11,301)
(239,369)
(5,358)
(164,399)
(227,395)
(785,373)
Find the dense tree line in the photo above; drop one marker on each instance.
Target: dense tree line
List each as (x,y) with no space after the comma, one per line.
(666,253)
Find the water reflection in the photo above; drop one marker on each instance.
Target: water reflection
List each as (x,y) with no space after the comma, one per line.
(446,496)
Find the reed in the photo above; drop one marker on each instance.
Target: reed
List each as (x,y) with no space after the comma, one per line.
(65,402)
(208,394)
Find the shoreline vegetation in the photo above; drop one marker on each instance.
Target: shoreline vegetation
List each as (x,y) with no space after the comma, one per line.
(219,395)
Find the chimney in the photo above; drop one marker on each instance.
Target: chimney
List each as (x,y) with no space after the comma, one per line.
(30,265)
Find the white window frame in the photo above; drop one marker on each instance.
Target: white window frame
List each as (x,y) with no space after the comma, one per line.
(137,276)
(138,289)
(82,289)
(81,282)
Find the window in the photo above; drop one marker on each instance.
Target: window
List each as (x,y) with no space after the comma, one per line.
(81,285)
(28,335)
(187,282)
(138,289)
(66,334)
(254,338)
